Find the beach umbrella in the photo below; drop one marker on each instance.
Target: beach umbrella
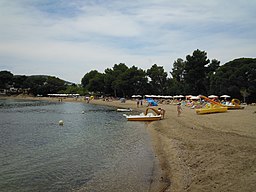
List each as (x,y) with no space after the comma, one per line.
(212,96)
(168,97)
(136,96)
(194,97)
(225,96)
(178,96)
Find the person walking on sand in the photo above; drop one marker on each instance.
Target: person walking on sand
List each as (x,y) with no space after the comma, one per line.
(179,109)
(161,112)
(138,102)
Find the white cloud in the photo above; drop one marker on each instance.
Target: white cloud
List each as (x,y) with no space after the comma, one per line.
(68,39)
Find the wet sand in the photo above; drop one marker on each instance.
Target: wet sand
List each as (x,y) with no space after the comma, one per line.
(213,152)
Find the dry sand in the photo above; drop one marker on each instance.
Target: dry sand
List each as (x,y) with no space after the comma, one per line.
(213,152)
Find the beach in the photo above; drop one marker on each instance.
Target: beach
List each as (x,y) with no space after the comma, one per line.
(211,152)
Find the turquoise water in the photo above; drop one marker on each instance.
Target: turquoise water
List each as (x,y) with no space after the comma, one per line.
(97,150)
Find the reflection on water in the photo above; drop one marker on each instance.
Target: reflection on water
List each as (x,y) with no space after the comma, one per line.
(97,150)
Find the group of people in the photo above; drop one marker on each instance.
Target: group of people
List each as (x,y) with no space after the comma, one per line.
(162,111)
(139,102)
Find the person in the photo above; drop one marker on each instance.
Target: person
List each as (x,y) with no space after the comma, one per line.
(162,112)
(138,102)
(179,109)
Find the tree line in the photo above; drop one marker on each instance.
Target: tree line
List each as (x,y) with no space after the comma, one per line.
(34,85)
(194,75)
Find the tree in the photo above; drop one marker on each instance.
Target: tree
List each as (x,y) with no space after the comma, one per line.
(195,73)
(114,80)
(234,76)
(85,80)
(178,70)
(35,83)
(158,79)
(210,71)
(5,79)
(134,81)
(96,84)
(176,84)
(213,66)
(43,85)
(52,85)
(18,81)
(244,93)
(74,89)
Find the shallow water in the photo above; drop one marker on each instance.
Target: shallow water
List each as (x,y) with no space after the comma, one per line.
(97,150)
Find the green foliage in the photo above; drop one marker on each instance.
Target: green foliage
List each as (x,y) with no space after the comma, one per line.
(195,73)
(134,81)
(74,89)
(178,70)
(85,80)
(36,85)
(18,81)
(96,84)
(234,76)
(5,79)
(120,81)
(158,79)
(176,83)
(43,85)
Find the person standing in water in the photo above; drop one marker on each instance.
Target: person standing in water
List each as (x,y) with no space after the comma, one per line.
(179,109)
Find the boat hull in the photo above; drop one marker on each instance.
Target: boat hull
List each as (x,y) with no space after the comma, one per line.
(211,110)
(124,110)
(146,116)
(234,107)
(157,118)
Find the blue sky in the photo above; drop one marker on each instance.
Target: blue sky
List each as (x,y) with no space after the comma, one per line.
(68,38)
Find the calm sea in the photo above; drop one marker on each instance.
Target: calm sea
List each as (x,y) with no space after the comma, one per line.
(97,150)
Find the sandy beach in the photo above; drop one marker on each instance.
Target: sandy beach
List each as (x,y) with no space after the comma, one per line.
(213,152)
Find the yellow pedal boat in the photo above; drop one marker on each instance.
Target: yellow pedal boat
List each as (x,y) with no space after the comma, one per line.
(212,107)
(211,110)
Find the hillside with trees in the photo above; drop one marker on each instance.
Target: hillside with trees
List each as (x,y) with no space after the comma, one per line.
(193,76)
(32,85)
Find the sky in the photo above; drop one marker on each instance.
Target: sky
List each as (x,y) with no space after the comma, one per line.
(69,38)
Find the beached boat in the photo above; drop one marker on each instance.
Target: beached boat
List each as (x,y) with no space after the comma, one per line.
(159,114)
(211,107)
(143,117)
(235,104)
(230,107)
(211,110)
(124,110)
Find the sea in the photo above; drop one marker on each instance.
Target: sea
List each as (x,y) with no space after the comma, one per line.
(96,149)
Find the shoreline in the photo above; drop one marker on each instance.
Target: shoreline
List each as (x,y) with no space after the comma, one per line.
(214,152)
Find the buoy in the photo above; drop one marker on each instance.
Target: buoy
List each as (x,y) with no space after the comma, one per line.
(82,112)
(61,122)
